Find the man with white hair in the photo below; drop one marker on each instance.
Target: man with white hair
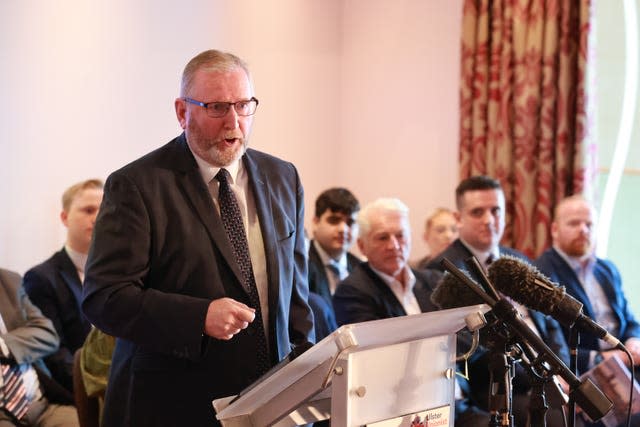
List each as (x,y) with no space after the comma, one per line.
(384,286)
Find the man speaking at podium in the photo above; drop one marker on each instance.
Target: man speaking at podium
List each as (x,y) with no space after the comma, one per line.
(198,262)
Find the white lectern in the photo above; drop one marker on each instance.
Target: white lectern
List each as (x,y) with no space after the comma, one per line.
(389,372)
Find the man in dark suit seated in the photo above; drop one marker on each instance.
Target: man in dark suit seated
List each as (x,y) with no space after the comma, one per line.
(198,265)
(593,281)
(480,213)
(385,286)
(55,286)
(334,230)
(27,393)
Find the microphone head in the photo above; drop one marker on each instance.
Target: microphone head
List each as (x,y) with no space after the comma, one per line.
(453,293)
(523,283)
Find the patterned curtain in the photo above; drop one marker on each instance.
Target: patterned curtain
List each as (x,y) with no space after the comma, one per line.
(524,113)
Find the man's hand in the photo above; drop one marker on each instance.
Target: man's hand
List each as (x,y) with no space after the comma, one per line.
(226,317)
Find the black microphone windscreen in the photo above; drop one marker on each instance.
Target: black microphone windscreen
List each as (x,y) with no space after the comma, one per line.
(523,283)
(453,293)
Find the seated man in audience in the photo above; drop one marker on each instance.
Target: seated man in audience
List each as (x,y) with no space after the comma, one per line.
(595,282)
(481,207)
(27,393)
(480,214)
(385,286)
(55,286)
(330,261)
(440,230)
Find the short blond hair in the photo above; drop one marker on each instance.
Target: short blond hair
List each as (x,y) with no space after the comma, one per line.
(211,60)
(71,192)
(436,212)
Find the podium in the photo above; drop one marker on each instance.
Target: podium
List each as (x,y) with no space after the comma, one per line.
(382,373)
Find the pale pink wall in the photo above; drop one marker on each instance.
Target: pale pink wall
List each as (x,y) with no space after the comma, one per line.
(399,86)
(89,86)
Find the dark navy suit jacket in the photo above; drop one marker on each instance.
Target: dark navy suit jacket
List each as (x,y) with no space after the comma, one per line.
(318,281)
(159,256)
(557,269)
(54,286)
(364,296)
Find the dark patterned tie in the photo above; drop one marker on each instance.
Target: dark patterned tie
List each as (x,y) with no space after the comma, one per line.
(15,399)
(233,225)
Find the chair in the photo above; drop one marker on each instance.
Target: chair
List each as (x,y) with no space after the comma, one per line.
(88,407)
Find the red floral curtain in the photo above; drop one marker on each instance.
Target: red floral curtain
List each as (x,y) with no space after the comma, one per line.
(524,115)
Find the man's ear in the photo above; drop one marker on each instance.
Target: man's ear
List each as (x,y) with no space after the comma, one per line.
(181,112)
(554,231)
(361,246)
(64,216)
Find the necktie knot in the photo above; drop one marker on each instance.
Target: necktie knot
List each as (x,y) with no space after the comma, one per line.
(223,176)
(333,266)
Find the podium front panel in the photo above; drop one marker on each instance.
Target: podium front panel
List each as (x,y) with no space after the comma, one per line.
(280,390)
(395,380)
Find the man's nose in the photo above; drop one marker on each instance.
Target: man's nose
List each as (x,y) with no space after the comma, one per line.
(487,217)
(231,119)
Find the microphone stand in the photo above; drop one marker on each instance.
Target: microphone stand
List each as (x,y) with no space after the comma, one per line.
(585,393)
(538,403)
(538,406)
(574,341)
(501,368)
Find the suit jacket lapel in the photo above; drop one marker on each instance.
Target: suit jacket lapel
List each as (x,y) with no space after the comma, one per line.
(190,180)
(605,281)
(259,188)
(69,274)
(422,296)
(573,283)
(395,306)
(315,263)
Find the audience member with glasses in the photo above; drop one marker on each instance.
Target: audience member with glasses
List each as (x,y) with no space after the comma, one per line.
(198,262)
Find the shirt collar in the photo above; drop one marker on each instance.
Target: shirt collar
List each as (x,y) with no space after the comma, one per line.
(341,262)
(407,275)
(209,172)
(482,255)
(78,259)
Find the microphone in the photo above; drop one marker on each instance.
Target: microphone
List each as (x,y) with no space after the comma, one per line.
(528,286)
(585,393)
(453,293)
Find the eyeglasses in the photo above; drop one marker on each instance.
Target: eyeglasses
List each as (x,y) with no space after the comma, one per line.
(218,109)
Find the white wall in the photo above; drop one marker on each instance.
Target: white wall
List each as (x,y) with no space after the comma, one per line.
(360,93)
